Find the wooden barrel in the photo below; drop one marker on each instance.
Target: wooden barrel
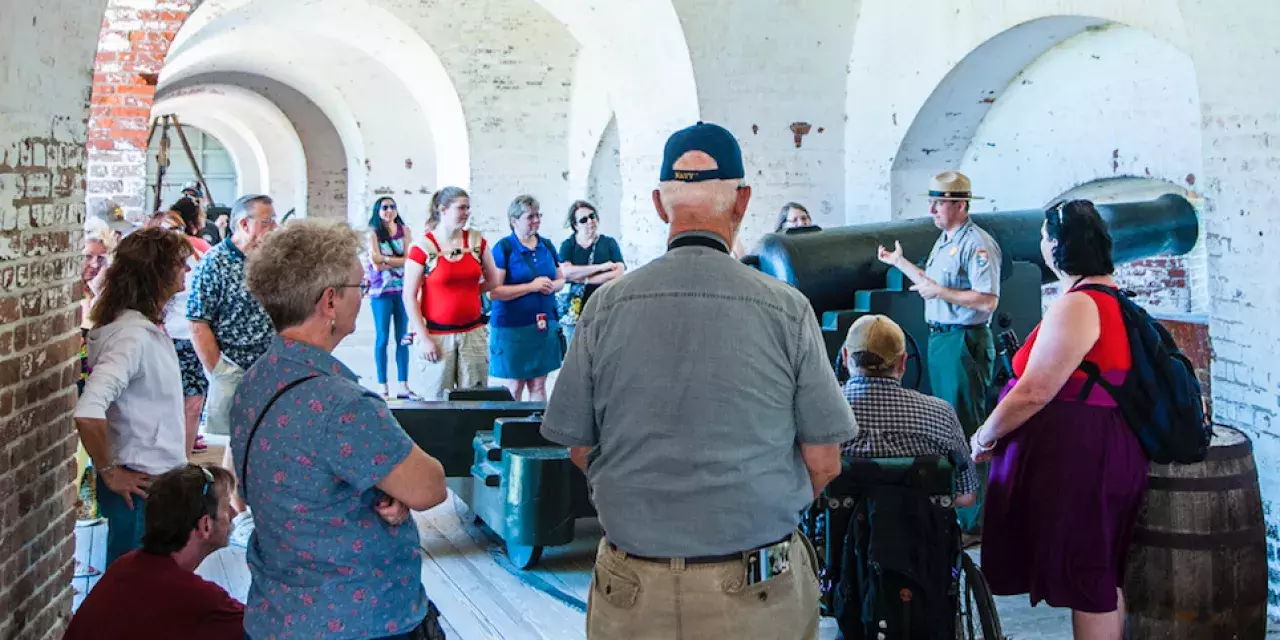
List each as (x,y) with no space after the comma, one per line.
(1198,566)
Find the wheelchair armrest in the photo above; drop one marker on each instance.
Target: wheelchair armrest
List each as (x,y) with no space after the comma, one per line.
(934,475)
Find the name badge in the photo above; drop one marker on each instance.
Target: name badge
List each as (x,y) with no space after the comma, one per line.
(542,321)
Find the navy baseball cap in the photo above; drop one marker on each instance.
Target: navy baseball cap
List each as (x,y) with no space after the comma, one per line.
(711,139)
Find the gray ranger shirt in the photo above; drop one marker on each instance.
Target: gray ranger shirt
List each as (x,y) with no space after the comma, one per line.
(968,260)
(694,379)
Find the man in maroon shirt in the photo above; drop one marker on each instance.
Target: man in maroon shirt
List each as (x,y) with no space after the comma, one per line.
(153,592)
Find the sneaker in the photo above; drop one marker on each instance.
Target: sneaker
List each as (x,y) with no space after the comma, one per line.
(199,445)
(970,540)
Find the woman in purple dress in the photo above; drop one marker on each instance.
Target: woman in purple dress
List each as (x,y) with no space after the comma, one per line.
(1067,473)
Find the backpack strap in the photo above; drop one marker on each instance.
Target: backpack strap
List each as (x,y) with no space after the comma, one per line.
(432,249)
(244,465)
(474,244)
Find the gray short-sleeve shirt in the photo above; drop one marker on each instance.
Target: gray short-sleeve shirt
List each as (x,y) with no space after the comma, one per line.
(694,379)
(967,260)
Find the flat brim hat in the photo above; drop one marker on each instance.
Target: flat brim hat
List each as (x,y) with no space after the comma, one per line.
(951,185)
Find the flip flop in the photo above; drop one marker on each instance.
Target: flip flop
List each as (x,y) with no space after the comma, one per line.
(409,396)
(199,444)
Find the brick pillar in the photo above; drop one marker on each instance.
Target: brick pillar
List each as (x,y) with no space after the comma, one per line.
(132,47)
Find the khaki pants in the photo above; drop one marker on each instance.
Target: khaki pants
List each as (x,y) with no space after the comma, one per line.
(633,598)
(463,363)
(223,382)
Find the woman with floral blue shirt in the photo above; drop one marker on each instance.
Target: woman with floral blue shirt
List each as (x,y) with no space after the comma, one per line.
(327,470)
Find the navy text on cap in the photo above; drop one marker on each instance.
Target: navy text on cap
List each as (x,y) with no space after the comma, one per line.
(711,139)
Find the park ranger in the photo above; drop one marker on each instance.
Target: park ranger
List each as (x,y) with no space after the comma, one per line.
(961,287)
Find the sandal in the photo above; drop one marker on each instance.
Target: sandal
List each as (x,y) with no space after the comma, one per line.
(409,395)
(199,445)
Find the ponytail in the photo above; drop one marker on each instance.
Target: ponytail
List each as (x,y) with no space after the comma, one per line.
(441,200)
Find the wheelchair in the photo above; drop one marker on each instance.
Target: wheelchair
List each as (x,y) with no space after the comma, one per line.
(928,479)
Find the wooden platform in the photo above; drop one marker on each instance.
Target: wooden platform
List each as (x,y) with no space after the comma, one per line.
(482,597)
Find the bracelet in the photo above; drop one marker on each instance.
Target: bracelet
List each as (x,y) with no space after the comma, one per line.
(102,470)
(984,447)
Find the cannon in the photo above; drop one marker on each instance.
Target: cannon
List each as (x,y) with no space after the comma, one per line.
(523,487)
(838,271)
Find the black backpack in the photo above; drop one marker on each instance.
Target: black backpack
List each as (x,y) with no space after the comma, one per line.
(1160,398)
(895,572)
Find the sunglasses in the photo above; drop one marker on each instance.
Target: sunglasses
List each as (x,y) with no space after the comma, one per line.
(1061,206)
(208,481)
(388,207)
(589,216)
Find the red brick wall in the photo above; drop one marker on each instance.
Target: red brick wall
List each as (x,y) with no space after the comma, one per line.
(39,342)
(1161,282)
(1193,338)
(131,52)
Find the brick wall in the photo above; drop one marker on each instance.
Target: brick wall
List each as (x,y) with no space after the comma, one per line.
(1241,123)
(132,46)
(43,105)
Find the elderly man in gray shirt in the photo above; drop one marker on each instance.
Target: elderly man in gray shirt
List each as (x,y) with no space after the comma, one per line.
(698,399)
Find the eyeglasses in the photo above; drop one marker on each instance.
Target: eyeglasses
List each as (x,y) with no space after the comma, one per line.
(388,207)
(589,216)
(364,287)
(532,216)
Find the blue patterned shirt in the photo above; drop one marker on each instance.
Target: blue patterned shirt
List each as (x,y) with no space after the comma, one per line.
(220,298)
(324,564)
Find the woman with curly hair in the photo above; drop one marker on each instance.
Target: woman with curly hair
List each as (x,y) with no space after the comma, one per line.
(130,416)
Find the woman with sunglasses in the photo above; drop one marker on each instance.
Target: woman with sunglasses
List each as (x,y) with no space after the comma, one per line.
(524,343)
(589,261)
(385,271)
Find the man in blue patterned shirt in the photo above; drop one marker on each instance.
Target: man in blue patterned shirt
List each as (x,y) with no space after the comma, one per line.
(229,328)
(897,422)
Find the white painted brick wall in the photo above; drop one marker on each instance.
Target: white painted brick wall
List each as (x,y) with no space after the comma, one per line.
(761,67)
(1106,103)
(1233,46)
(326,162)
(513,66)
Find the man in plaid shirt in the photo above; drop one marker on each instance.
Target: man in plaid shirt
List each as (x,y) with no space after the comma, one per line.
(897,422)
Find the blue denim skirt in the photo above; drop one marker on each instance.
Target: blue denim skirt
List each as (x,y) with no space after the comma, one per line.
(524,353)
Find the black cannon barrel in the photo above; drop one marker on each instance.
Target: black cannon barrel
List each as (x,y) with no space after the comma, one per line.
(828,266)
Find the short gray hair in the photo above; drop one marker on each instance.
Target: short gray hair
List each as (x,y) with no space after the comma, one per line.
(520,204)
(705,198)
(293,266)
(242,207)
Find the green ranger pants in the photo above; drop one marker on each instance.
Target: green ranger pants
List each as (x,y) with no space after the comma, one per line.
(961,366)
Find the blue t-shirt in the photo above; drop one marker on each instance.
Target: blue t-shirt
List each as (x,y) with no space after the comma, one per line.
(324,564)
(522,266)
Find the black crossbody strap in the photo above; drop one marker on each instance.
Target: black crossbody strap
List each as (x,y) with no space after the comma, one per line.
(248,445)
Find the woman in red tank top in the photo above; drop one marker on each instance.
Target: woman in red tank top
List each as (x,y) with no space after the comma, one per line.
(1067,474)
(445,273)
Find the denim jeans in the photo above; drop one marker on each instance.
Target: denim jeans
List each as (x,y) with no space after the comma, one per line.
(386,309)
(124,526)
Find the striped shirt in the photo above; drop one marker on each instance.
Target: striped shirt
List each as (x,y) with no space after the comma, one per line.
(901,423)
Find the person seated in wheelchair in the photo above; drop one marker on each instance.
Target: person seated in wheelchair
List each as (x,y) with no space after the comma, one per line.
(897,422)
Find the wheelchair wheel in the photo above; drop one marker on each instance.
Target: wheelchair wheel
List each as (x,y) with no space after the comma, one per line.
(977,617)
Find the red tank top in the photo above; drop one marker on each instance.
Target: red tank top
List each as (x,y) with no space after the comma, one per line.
(451,290)
(1110,352)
